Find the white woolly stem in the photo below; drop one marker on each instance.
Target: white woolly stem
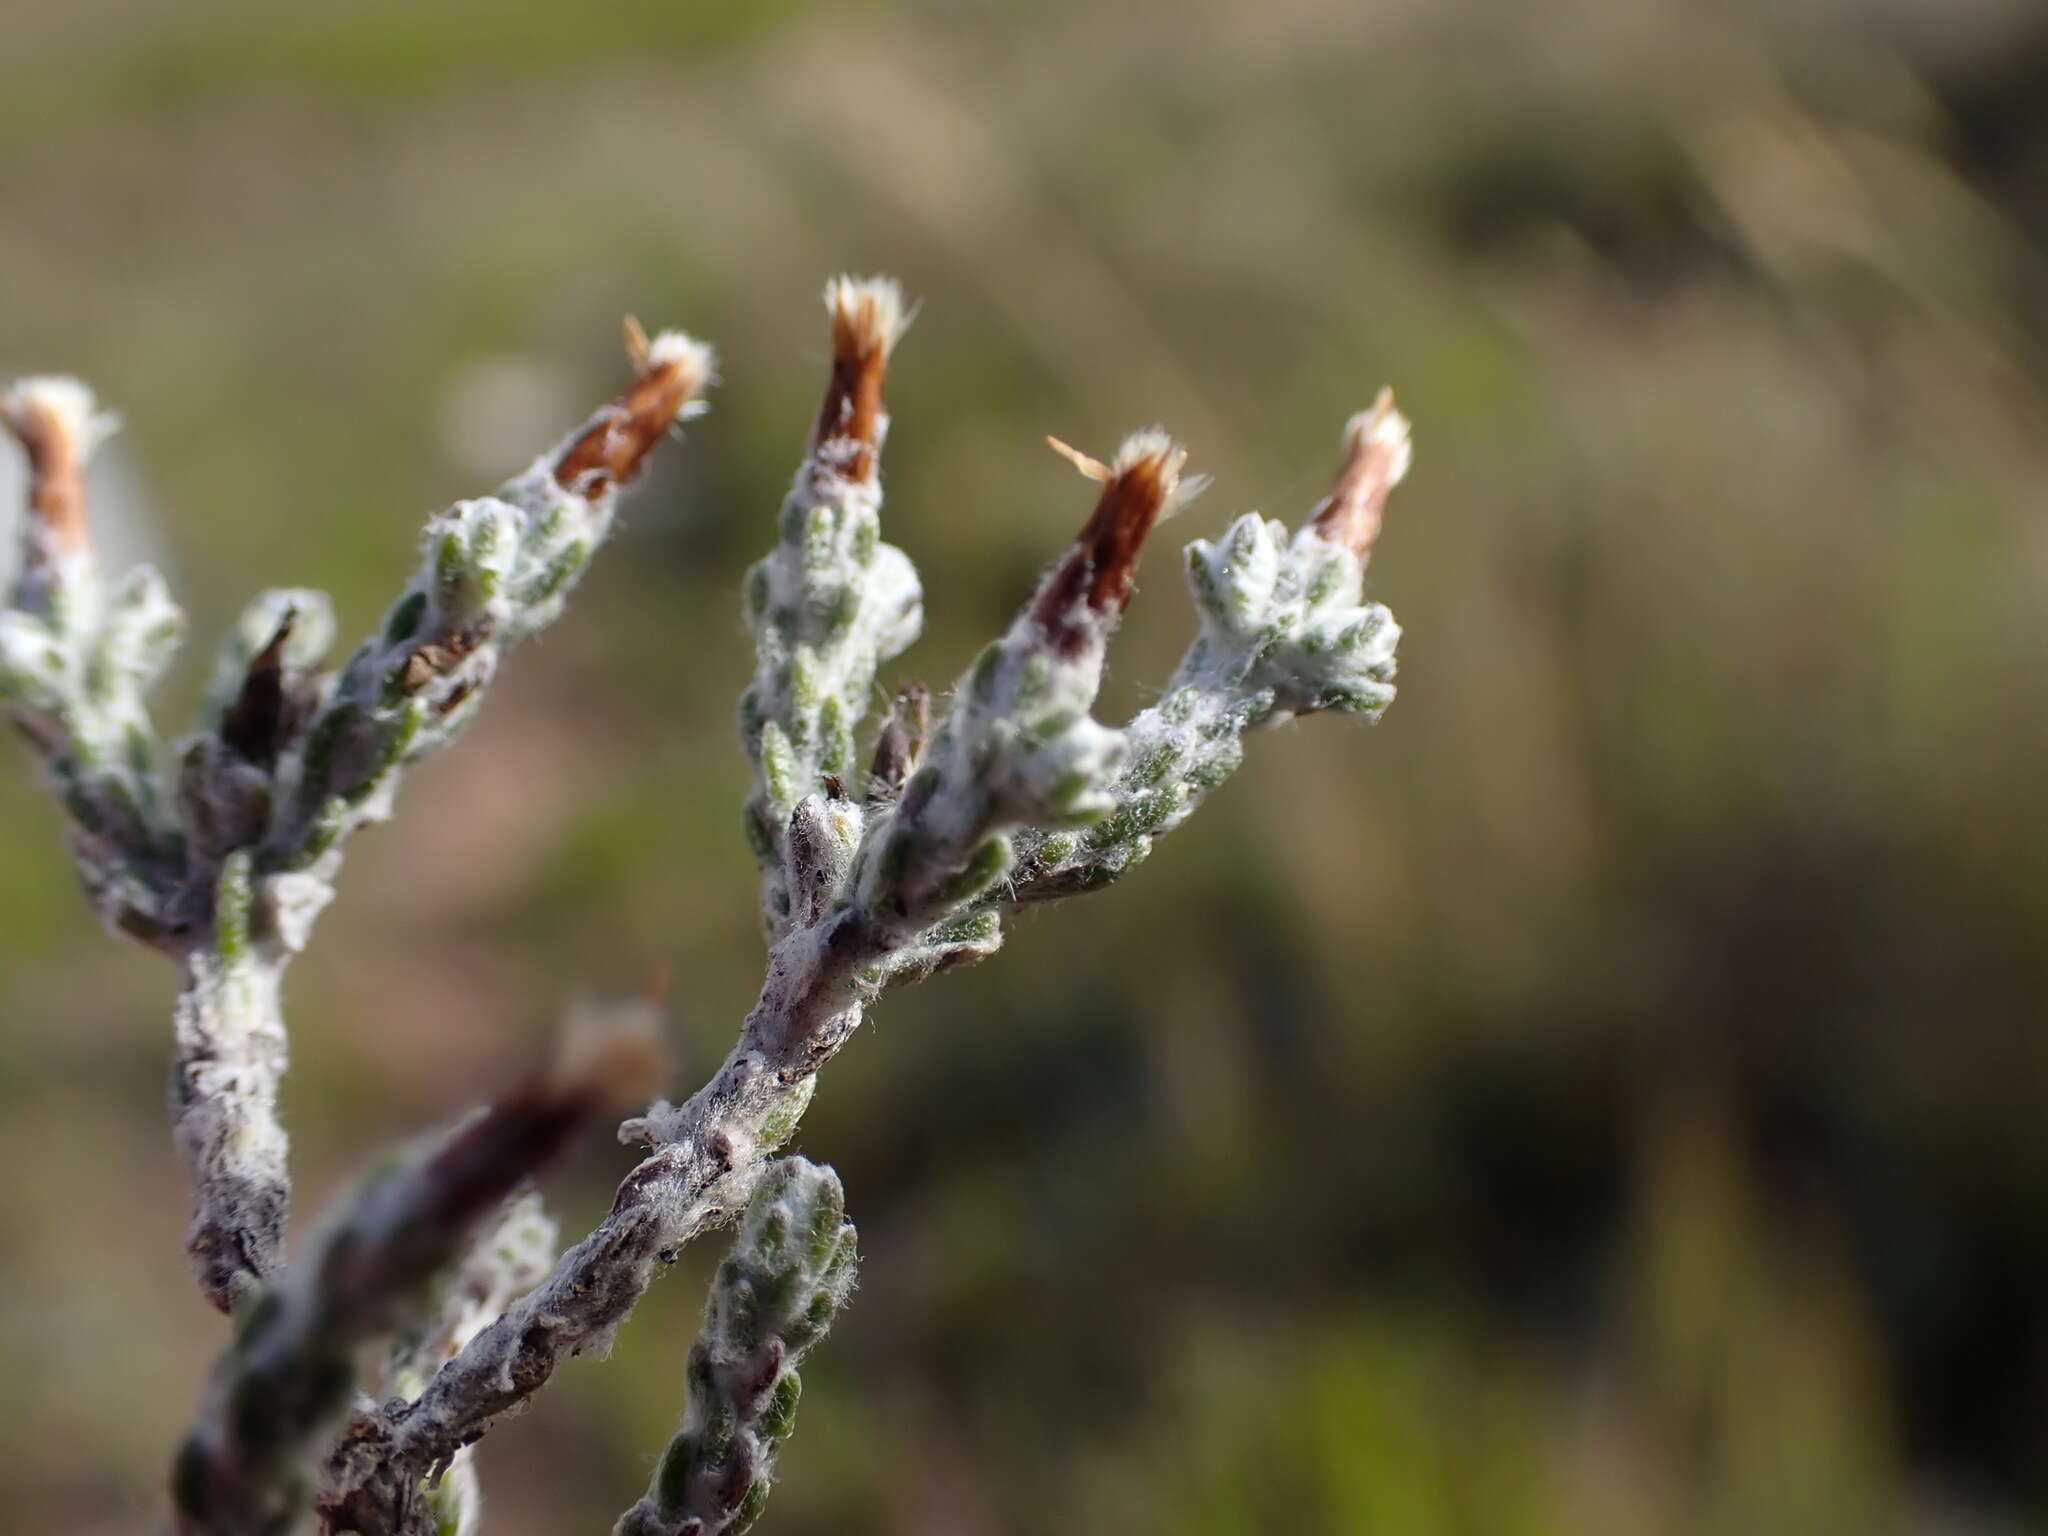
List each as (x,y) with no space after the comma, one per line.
(231,1056)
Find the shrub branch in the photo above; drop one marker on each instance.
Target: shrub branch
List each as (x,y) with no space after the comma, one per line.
(878,868)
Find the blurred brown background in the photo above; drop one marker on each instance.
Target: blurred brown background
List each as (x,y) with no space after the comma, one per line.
(1607,1098)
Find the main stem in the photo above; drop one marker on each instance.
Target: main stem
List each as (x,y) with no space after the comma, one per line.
(231,1056)
(706,1155)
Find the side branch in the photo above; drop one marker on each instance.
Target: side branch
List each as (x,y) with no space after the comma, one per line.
(298,761)
(227,867)
(831,601)
(289,1375)
(789,1273)
(1286,630)
(77,658)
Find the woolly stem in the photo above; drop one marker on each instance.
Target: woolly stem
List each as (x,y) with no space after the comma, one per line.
(231,1055)
(790,1271)
(288,1377)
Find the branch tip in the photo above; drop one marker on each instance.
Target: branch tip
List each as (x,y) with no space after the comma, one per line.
(670,371)
(868,315)
(1140,487)
(694,362)
(58,422)
(1377,452)
(867,319)
(255,724)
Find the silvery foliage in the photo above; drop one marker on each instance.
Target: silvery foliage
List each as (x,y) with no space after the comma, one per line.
(878,868)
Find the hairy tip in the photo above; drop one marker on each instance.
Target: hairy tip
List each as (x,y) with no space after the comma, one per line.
(867,316)
(669,372)
(56,403)
(1377,452)
(1150,453)
(58,423)
(1383,430)
(690,363)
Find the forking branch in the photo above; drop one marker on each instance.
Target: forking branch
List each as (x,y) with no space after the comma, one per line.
(878,868)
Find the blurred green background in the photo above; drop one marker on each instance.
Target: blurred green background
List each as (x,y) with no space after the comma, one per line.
(1609,1097)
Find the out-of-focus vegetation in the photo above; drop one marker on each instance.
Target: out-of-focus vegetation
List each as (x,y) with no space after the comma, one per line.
(1666,974)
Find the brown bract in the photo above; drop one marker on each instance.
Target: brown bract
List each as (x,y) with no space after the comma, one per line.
(864,324)
(609,1056)
(1092,581)
(271,705)
(468,1176)
(610,449)
(56,466)
(1375,458)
